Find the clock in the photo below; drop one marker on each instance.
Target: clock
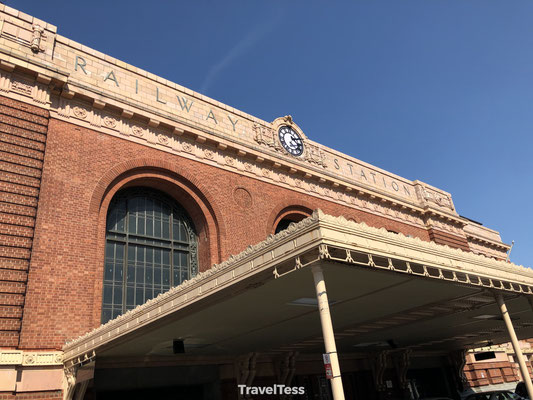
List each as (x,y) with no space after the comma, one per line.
(291,141)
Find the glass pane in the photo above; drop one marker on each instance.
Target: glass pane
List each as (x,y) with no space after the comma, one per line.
(176,230)
(149,275)
(140,226)
(148,294)
(149,204)
(130,296)
(119,252)
(166,229)
(118,272)
(149,256)
(131,274)
(117,295)
(121,219)
(111,220)
(140,275)
(166,276)
(157,228)
(109,250)
(132,221)
(106,315)
(108,292)
(157,275)
(139,298)
(108,274)
(149,226)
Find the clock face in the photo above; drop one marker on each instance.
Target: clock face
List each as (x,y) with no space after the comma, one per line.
(291,141)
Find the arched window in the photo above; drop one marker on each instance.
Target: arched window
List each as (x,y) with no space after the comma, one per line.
(151,246)
(287,220)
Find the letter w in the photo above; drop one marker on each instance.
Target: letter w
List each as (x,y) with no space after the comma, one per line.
(185,105)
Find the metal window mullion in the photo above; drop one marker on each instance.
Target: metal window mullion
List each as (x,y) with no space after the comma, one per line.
(126,253)
(171,232)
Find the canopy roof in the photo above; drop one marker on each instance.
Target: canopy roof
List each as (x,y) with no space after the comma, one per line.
(386,290)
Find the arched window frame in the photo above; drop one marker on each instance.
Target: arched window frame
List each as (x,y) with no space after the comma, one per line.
(119,280)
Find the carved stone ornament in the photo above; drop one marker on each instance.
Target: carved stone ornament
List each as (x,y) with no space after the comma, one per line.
(266,136)
(209,154)
(163,139)
(29,359)
(137,131)
(110,122)
(70,378)
(79,112)
(242,197)
(21,87)
(314,155)
(229,160)
(36,36)
(442,201)
(187,147)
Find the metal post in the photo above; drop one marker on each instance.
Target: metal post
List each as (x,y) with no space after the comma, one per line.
(516,346)
(327,332)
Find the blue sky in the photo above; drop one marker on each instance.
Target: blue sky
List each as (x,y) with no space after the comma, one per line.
(435,90)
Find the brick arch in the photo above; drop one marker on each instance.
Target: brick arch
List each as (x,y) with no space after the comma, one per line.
(192,195)
(289,206)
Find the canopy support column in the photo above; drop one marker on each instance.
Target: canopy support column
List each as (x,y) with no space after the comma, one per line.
(327,332)
(516,346)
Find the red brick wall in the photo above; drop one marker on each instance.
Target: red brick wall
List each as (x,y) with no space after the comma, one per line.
(491,373)
(22,143)
(82,171)
(449,239)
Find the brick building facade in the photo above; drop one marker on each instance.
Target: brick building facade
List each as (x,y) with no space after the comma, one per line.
(79,128)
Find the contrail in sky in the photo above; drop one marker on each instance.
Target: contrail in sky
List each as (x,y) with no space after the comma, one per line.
(244,44)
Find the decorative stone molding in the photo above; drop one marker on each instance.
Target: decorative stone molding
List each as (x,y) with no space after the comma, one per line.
(266,136)
(31,358)
(21,86)
(70,381)
(37,34)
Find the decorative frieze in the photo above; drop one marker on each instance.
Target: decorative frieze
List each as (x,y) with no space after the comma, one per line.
(22,87)
(32,358)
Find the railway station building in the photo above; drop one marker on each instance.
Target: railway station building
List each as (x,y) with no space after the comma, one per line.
(157,243)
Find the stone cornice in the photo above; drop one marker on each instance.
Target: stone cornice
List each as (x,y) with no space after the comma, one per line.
(488,242)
